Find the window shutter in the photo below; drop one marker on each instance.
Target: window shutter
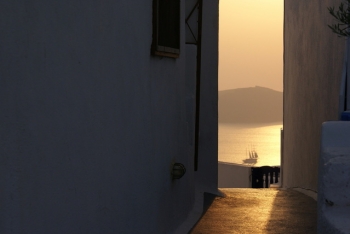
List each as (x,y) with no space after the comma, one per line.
(166,28)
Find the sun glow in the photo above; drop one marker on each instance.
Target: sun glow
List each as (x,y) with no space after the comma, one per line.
(251,44)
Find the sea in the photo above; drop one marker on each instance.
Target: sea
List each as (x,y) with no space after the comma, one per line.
(236,140)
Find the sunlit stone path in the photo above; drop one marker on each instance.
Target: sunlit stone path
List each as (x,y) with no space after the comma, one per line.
(259,211)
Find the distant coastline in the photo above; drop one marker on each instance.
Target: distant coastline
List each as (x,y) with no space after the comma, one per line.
(250,105)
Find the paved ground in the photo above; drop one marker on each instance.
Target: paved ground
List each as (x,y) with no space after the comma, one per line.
(254,211)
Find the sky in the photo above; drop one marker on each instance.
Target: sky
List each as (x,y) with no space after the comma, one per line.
(251,44)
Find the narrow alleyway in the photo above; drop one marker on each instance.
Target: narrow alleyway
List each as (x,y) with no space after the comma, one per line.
(254,211)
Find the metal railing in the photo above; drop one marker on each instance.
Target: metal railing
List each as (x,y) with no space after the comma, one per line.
(262,177)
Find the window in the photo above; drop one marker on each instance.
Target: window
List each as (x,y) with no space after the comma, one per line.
(166,28)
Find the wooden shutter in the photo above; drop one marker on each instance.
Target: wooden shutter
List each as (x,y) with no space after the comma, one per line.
(166,28)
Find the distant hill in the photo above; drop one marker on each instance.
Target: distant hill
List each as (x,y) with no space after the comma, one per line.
(250,105)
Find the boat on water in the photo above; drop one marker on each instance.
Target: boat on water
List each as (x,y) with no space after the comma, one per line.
(253,156)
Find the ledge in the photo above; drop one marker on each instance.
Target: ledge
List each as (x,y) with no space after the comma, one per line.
(338,219)
(334,179)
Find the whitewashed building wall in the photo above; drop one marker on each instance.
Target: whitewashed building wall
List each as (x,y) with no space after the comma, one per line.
(90,122)
(313,63)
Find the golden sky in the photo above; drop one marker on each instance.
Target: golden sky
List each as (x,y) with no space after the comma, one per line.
(251,44)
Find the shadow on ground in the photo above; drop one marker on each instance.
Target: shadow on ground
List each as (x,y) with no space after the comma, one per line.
(259,211)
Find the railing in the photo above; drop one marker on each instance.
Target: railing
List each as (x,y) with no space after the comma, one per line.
(262,177)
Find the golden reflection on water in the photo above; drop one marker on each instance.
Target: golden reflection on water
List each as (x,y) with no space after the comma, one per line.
(236,140)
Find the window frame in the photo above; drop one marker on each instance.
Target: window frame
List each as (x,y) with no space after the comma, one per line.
(157,48)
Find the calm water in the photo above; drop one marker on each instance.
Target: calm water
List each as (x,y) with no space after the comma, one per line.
(235,140)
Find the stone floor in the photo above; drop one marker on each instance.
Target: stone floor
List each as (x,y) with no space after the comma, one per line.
(254,211)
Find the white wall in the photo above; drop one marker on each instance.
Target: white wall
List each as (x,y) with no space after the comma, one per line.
(313,61)
(91,123)
(334,178)
(207,164)
(234,176)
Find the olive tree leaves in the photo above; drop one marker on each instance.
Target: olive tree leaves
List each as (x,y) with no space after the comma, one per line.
(342,16)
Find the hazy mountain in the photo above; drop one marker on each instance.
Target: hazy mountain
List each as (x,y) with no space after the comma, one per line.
(250,105)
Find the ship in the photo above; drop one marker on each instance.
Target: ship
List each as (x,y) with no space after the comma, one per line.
(252,156)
